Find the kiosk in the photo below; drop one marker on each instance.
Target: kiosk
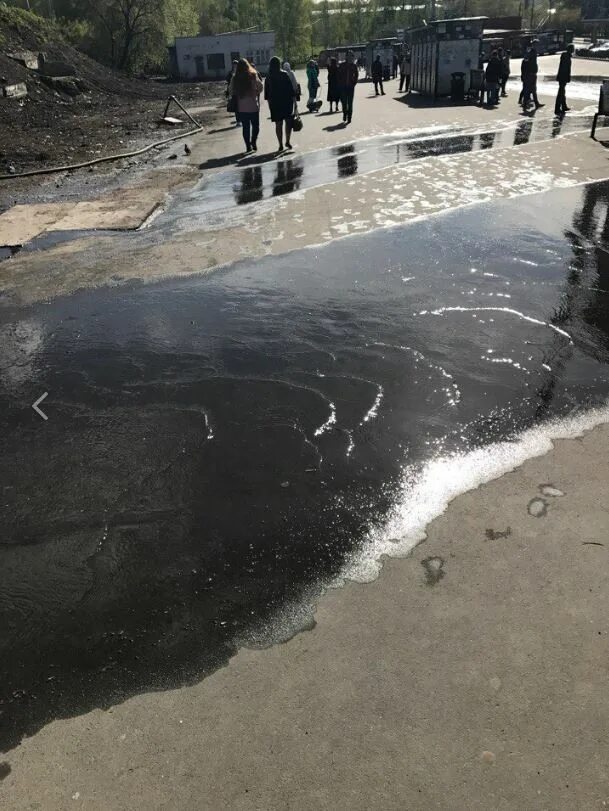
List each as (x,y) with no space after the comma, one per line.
(444,47)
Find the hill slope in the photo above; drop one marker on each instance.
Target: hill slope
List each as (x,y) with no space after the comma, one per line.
(105,112)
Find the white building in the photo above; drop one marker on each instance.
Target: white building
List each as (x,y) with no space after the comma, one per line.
(211,57)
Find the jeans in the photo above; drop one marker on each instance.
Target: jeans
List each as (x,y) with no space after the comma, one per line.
(250,121)
(378,82)
(346,99)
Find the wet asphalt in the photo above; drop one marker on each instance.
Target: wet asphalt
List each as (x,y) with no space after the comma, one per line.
(218,449)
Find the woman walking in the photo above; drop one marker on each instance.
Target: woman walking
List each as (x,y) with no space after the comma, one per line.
(246,87)
(333,88)
(279,92)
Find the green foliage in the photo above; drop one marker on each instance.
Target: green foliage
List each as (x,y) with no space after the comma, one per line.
(133,34)
(291,21)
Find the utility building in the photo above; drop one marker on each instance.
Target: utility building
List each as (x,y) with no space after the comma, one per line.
(442,48)
(210,57)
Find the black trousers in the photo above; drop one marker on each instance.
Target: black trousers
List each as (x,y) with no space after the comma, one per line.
(378,82)
(346,99)
(560,106)
(251,127)
(405,82)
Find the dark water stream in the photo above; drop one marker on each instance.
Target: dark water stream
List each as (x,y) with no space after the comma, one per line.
(218,448)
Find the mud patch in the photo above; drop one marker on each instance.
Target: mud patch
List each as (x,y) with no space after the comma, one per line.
(537,507)
(5,770)
(496,534)
(434,570)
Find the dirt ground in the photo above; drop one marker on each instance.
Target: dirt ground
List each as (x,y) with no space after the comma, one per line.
(97,113)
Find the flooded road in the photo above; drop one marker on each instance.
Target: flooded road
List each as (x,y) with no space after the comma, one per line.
(220,449)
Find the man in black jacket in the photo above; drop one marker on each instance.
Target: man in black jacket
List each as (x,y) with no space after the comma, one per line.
(530,69)
(377,75)
(563,78)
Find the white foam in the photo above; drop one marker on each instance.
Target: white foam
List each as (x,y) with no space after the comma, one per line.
(426,494)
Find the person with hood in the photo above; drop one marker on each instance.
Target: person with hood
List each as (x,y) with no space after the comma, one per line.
(246,87)
(288,69)
(563,78)
(348,76)
(377,75)
(280,94)
(333,88)
(312,81)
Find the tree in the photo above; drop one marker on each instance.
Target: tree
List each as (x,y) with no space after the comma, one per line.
(291,21)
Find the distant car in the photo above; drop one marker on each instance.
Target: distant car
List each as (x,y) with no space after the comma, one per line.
(601,51)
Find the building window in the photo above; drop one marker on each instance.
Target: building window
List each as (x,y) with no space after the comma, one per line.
(215,62)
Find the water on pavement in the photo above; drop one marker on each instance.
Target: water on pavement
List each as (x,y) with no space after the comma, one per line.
(219,448)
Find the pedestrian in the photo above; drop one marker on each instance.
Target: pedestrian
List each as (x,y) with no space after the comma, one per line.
(229,79)
(377,75)
(312,82)
(295,83)
(492,78)
(333,88)
(348,76)
(279,92)
(563,78)
(246,87)
(531,69)
(395,64)
(504,56)
(405,68)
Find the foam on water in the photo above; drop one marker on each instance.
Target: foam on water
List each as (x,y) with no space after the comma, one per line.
(426,493)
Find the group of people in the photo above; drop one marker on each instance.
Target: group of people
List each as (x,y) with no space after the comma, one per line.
(282,92)
(498,72)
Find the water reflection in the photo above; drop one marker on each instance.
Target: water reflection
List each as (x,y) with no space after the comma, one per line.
(287,177)
(347,164)
(252,183)
(250,189)
(523,132)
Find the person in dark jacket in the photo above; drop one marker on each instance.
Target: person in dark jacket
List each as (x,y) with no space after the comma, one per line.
(280,94)
(377,75)
(348,76)
(563,78)
(333,88)
(504,57)
(492,78)
(530,69)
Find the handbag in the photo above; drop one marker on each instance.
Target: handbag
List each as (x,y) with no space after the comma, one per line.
(231,105)
(296,120)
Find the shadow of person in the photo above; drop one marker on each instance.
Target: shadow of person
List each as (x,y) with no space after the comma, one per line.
(334,127)
(250,159)
(218,163)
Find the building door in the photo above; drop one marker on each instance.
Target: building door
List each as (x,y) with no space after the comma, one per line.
(200,67)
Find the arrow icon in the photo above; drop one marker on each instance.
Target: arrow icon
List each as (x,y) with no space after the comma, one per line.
(37,403)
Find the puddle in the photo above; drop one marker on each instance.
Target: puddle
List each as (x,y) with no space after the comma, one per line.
(266,180)
(219,448)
